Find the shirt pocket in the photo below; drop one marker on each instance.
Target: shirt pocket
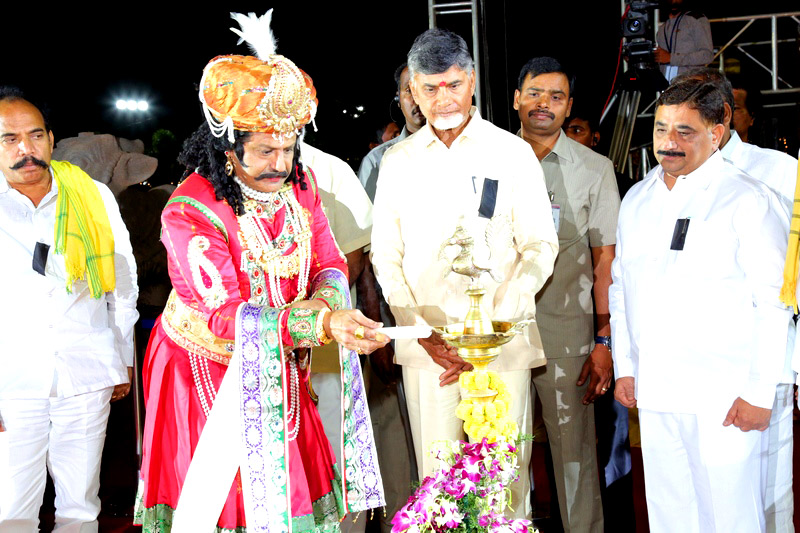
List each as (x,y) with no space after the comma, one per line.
(709,252)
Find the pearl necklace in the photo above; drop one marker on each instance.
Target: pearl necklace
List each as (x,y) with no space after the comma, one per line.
(258,241)
(259,196)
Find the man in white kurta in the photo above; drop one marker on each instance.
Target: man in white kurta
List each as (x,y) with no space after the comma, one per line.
(63,355)
(778,171)
(699,336)
(439,177)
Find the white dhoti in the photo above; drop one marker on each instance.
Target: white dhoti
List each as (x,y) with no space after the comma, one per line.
(699,475)
(64,436)
(777,447)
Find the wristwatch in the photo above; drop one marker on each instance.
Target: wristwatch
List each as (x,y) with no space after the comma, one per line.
(604,340)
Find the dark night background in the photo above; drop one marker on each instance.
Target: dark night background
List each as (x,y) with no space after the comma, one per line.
(81,59)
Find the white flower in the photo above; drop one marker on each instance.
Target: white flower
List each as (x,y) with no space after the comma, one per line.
(275,396)
(274,368)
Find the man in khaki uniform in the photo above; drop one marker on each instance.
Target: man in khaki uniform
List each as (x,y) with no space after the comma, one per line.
(584,203)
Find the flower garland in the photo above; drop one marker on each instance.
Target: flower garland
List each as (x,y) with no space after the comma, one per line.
(486,417)
(468,494)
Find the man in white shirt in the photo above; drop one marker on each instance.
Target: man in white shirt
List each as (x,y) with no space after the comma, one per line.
(699,334)
(66,326)
(778,171)
(459,169)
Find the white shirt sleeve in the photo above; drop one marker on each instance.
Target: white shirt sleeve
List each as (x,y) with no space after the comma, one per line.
(122,313)
(387,247)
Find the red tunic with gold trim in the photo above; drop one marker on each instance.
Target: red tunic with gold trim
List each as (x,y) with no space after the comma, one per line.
(270,256)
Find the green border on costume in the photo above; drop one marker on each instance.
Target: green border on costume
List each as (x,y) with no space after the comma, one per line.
(327,513)
(322,291)
(212,216)
(302,326)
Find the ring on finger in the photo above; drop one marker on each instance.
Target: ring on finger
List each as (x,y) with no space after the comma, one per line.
(604,389)
(359,351)
(359,332)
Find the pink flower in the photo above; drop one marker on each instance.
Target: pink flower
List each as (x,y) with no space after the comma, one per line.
(480,449)
(520,525)
(402,520)
(458,488)
(440,503)
(470,466)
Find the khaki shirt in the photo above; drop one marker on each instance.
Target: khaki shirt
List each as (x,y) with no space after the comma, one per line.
(583,186)
(424,190)
(349,212)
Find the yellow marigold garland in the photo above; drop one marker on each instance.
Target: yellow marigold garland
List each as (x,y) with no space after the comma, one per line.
(486,417)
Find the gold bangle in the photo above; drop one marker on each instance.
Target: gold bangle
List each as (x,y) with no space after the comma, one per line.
(322,337)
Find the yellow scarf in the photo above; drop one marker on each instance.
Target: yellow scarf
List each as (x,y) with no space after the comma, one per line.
(792,266)
(82,233)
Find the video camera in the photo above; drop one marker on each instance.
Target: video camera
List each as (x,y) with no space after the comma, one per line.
(639,48)
(636,27)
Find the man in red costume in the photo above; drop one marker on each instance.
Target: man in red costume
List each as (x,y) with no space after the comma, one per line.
(257,280)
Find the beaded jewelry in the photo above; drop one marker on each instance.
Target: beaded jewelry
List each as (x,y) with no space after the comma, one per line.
(207,393)
(259,196)
(202,382)
(294,401)
(270,254)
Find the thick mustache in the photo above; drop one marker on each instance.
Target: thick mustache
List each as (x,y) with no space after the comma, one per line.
(272,176)
(28,159)
(540,112)
(671,153)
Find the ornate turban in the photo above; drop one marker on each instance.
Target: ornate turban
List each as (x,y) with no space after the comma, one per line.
(267,94)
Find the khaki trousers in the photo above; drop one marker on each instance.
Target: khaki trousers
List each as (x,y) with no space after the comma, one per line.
(570,431)
(431,412)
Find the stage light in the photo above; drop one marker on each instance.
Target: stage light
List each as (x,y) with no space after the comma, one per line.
(131,104)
